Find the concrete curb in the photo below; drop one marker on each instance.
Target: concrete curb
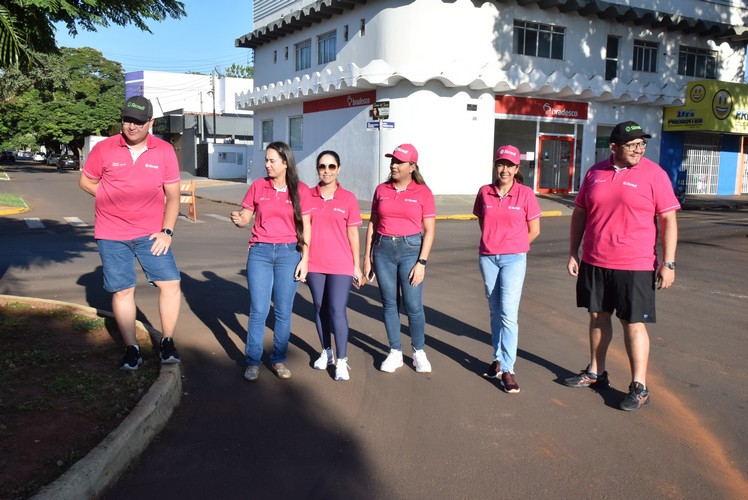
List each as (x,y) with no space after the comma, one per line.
(14,211)
(93,474)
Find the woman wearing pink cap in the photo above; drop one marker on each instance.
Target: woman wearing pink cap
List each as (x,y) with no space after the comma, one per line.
(398,242)
(509,218)
(334,262)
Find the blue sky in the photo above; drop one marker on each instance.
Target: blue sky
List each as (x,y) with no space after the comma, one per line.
(197,42)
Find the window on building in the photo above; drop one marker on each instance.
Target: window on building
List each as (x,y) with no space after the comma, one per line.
(286,53)
(295,132)
(267,133)
(362,29)
(539,40)
(645,56)
(345,33)
(303,52)
(611,57)
(326,47)
(701,63)
(275,56)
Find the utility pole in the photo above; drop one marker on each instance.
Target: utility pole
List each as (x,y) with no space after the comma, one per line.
(213,91)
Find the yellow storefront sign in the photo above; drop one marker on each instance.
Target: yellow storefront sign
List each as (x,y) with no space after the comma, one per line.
(711,106)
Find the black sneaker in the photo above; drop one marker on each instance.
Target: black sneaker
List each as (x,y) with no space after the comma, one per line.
(494,370)
(588,379)
(132,359)
(168,352)
(637,397)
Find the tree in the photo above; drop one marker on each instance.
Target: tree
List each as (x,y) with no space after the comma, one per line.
(62,100)
(27,26)
(239,71)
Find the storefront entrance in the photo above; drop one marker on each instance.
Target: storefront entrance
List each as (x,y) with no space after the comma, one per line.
(555,164)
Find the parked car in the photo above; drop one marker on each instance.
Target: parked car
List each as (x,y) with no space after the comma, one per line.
(52,159)
(68,161)
(7,156)
(23,155)
(39,157)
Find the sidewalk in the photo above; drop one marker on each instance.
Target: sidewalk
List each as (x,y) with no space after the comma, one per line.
(460,207)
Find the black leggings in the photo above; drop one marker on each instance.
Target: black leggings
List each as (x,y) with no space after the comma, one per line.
(330,293)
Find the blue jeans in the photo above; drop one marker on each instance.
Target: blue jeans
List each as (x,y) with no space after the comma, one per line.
(504,276)
(270,274)
(118,261)
(394,257)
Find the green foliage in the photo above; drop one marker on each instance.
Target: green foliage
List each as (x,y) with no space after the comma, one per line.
(27,26)
(65,98)
(239,71)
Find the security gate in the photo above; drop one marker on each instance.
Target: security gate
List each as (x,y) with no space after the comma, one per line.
(701,161)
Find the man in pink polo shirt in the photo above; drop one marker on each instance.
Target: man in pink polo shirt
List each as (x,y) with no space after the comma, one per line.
(616,211)
(134,177)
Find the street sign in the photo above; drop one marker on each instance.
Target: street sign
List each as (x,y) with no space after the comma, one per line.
(375,125)
(388,125)
(372,125)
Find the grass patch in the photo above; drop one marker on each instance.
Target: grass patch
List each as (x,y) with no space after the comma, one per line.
(12,200)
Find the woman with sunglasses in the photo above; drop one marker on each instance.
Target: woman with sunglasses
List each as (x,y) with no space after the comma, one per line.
(278,254)
(334,262)
(398,242)
(509,218)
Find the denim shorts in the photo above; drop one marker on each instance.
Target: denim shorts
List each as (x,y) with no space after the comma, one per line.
(118,259)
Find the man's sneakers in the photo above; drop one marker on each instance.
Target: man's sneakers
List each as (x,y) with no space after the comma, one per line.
(588,379)
(252,373)
(421,362)
(393,362)
(132,359)
(509,383)
(637,397)
(326,358)
(494,371)
(167,352)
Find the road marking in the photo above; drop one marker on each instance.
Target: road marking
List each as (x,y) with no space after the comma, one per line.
(76,221)
(219,217)
(183,217)
(34,223)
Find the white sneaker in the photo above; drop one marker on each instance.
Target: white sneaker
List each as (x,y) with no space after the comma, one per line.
(393,362)
(325,359)
(341,369)
(421,362)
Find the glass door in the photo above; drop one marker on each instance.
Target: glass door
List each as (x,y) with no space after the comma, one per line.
(556,164)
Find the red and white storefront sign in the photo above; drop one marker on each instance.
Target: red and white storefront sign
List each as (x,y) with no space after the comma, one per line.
(546,108)
(367,98)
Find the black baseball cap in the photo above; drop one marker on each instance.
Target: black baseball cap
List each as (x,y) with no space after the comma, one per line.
(627,131)
(138,108)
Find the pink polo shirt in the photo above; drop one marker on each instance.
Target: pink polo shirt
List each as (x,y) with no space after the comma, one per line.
(401,213)
(274,221)
(621,229)
(330,250)
(130,197)
(505,219)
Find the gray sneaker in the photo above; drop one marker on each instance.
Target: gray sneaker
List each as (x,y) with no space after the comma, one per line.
(252,373)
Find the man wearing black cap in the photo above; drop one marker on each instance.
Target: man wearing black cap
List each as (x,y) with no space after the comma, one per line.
(134,177)
(616,211)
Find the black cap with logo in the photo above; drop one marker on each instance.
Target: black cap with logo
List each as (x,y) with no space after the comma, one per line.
(138,108)
(626,132)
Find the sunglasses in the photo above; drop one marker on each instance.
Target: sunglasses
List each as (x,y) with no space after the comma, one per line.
(331,167)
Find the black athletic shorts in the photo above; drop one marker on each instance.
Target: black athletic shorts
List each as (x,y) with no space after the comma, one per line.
(631,294)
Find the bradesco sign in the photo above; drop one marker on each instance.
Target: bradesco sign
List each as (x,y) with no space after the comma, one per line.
(711,106)
(341,102)
(545,108)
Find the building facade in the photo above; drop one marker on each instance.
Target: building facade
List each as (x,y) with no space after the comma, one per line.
(459,78)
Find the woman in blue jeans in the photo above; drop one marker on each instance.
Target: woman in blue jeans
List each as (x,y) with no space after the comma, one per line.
(509,218)
(278,254)
(398,242)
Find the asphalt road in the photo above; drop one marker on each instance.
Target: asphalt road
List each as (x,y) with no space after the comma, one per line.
(448,434)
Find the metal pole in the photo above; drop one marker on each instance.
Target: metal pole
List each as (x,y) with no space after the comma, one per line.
(213,74)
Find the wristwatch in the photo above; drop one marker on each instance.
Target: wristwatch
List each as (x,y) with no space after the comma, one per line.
(422,261)
(669,265)
(167,231)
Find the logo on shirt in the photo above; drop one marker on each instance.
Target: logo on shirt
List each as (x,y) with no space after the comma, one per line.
(625,183)
(514,208)
(336,209)
(600,180)
(150,165)
(115,164)
(410,200)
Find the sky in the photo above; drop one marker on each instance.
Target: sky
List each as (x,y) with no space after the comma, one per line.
(197,42)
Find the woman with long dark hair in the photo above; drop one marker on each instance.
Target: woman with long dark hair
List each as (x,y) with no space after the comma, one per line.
(509,218)
(334,262)
(278,254)
(398,242)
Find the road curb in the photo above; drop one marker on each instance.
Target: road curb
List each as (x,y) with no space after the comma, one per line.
(14,211)
(93,474)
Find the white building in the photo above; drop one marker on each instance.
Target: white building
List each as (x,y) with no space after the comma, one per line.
(462,77)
